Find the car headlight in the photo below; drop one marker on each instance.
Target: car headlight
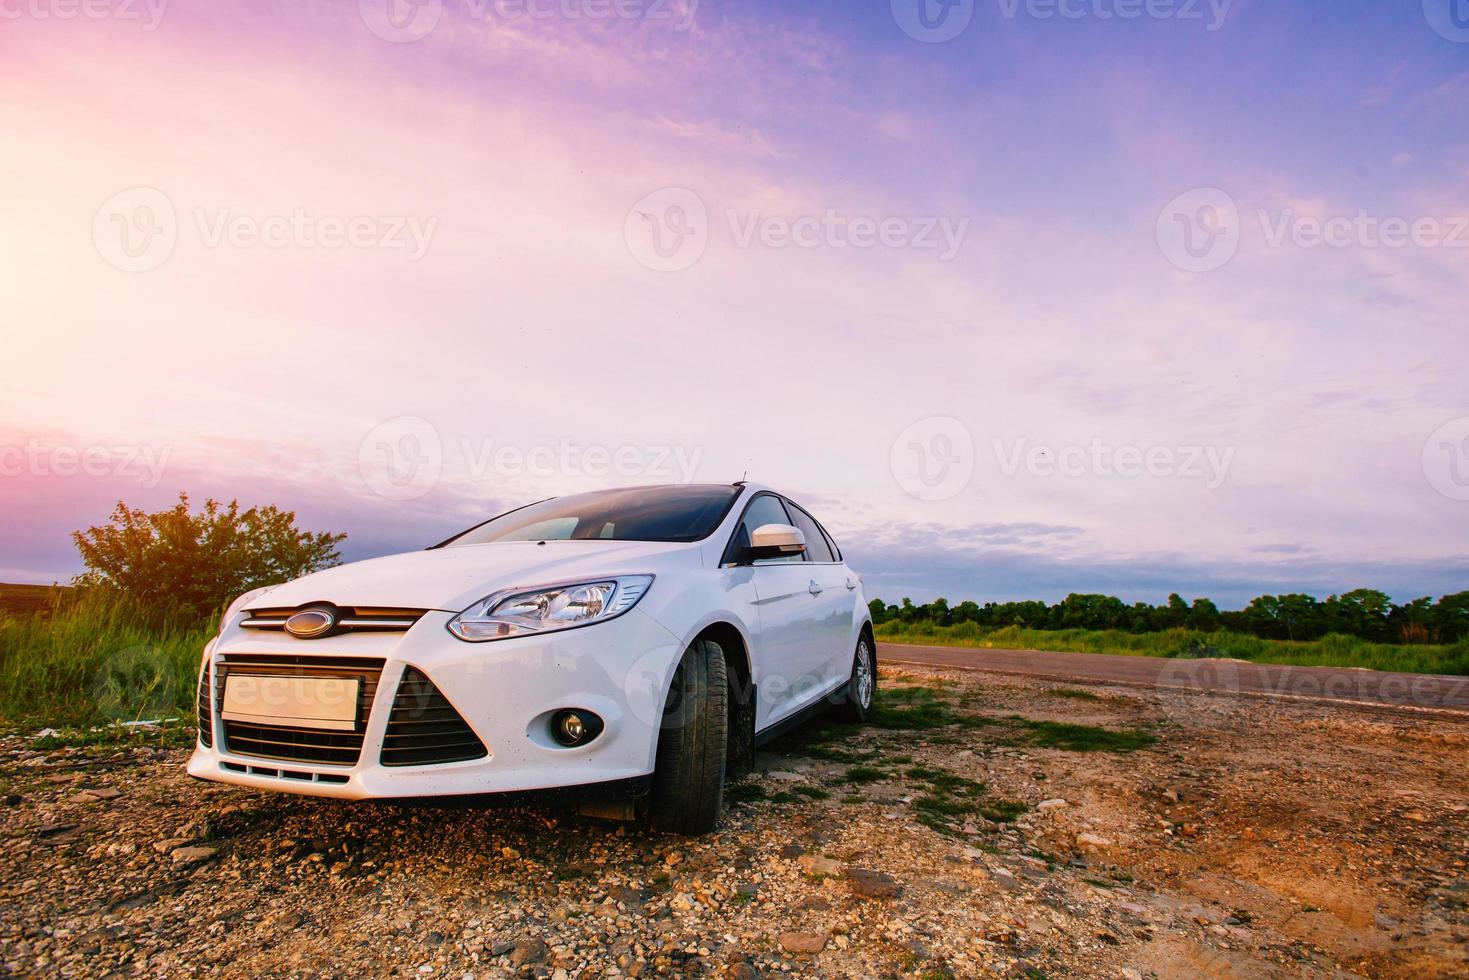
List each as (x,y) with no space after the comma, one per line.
(519,612)
(240,604)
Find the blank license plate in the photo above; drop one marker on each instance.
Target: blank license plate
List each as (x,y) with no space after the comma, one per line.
(302,702)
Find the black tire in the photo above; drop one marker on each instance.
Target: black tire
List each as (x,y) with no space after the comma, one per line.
(688,778)
(850,704)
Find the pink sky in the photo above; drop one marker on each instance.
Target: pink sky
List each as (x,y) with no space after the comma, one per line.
(521,316)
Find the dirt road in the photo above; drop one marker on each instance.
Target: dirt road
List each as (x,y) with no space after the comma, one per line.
(1426,691)
(989,826)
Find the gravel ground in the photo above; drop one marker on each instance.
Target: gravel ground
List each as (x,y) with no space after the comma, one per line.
(972,836)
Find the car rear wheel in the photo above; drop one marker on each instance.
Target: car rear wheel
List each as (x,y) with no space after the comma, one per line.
(861,690)
(688,779)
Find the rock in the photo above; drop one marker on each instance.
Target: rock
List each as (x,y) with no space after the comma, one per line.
(1092,842)
(1005,879)
(1055,804)
(96,795)
(873,884)
(528,950)
(815,864)
(803,942)
(193,855)
(53,829)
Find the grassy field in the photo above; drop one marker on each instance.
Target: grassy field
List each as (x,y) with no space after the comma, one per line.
(91,660)
(22,599)
(1330,651)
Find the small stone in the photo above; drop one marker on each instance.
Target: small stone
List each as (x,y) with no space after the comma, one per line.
(193,855)
(1005,879)
(1055,804)
(1092,842)
(528,950)
(815,864)
(103,793)
(873,884)
(803,942)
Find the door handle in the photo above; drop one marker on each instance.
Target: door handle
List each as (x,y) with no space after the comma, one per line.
(814,588)
(851,583)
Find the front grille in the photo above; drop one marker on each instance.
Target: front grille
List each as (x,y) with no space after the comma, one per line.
(350,619)
(424,729)
(340,748)
(201,706)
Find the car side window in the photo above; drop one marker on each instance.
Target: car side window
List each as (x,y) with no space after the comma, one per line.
(816,547)
(764,509)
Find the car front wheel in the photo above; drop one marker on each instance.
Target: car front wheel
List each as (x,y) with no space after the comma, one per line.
(688,778)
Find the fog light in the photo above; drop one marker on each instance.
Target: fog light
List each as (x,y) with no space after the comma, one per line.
(575,727)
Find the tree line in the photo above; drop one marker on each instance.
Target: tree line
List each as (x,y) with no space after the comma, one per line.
(1364,613)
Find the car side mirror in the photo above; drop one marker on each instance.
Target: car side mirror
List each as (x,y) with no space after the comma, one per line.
(775,541)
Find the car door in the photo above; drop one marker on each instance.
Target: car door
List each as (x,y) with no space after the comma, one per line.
(789,657)
(833,587)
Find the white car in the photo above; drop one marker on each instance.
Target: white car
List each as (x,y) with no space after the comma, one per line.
(626,645)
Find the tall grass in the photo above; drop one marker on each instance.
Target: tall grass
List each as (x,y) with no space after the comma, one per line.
(94,658)
(1329,651)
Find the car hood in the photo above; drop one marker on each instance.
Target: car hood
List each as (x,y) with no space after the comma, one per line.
(454,578)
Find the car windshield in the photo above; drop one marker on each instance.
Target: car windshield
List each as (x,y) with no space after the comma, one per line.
(682,513)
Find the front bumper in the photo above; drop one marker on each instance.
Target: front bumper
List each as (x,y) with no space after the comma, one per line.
(505,690)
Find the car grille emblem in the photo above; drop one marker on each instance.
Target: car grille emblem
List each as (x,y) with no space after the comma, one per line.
(308,624)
